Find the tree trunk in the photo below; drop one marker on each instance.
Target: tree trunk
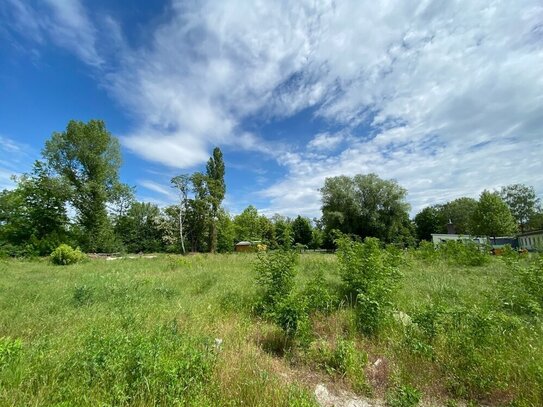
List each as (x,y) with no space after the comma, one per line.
(181,230)
(213,243)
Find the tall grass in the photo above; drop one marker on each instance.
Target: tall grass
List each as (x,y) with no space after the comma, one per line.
(184,331)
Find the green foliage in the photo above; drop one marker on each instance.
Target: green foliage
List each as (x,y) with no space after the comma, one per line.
(275,278)
(364,205)
(82,295)
(88,158)
(317,239)
(290,314)
(460,213)
(302,231)
(404,396)
(522,201)
(225,233)
(342,358)
(464,253)
(247,225)
(127,367)
(10,350)
(428,221)
(369,276)
(317,295)
(521,288)
(139,230)
(198,214)
(426,251)
(64,255)
(217,189)
(492,216)
(33,217)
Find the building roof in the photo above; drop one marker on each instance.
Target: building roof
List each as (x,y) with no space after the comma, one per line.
(533,232)
(247,243)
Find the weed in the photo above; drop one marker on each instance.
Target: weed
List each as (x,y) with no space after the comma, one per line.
(317,295)
(369,275)
(464,253)
(83,295)
(403,396)
(275,278)
(9,350)
(522,288)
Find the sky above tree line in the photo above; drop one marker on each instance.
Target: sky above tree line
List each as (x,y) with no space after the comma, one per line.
(444,96)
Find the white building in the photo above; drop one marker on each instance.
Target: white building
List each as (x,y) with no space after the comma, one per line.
(438,238)
(531,240)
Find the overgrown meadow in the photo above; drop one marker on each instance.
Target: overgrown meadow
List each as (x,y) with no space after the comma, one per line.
(448,327)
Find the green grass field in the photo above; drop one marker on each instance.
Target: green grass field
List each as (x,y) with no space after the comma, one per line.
(143,332)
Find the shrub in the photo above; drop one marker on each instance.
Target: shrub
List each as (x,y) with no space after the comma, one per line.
(129,367)
(522,288)
(404,396)
(426,251)
(343,359)
(82,295)
(369,276)
(291,315)
(317,296)
(64,255)
(464,253)
(275,278)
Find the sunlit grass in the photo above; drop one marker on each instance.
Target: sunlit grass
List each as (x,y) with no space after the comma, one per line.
(143,332)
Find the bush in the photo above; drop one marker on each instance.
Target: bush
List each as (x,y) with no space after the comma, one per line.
(131,367)
(472,346)
(369,277)
(291,315)
(522,288)
(343,359)
(64,255)
(464,253)
(404,396)
(426,251)
(275,278)
(317,296)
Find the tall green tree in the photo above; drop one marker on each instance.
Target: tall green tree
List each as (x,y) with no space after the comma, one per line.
(139,229)
(217,189)
(427,221)
(198,213)
(247,225)
(364,205)
(88,158)
(302,230)
(459,212)
(225,232)
(182,184)
(492,216)
(522,201)
(282,226)
(33,216)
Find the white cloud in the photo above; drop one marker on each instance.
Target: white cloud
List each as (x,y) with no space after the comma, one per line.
(325,141)
(167,192)
(15,158)
(64,22)
(443,96)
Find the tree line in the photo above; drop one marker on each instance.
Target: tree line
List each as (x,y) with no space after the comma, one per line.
(73,195)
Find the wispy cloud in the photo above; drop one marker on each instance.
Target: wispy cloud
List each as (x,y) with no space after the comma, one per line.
(167,192)
(64,22)
(444,96)
(15,158)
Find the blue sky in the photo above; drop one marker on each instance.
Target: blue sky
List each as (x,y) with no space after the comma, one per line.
(445,97)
